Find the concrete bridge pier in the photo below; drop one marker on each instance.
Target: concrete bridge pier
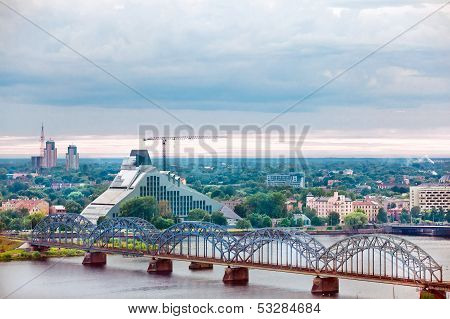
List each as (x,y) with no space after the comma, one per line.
(200,266)
(235,275)
(39,248)
(428,293)
(160,266)
(325,285)
(94,259)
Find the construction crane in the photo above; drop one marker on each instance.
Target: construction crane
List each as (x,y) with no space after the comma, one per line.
(164,140)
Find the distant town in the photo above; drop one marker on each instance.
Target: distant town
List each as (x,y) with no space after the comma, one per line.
(327,194)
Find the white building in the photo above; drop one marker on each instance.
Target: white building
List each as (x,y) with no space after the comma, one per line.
(429,196)
(138,177)
(347,172)
(295,180)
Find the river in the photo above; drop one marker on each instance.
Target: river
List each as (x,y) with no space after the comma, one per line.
(125,277)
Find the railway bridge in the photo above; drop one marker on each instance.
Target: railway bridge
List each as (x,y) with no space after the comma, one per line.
(375,258)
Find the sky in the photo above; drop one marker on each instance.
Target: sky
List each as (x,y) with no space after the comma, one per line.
(226,63)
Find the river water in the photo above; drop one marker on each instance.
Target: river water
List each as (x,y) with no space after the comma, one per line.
(125,277)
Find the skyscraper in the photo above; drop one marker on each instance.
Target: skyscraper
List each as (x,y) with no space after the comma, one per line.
(50,154)
(72,158)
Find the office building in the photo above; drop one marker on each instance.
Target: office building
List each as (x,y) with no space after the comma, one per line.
(430,196)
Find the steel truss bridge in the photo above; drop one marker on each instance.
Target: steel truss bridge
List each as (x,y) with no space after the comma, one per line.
(377,258)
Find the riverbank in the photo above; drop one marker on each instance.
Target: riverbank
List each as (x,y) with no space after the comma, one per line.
(9,251)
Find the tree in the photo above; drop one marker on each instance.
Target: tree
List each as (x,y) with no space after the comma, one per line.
(243,224)
(415,212)
(198,214)
(162,223)
(260,221)
(17,186)
(309,212)
(219,219)
(267,221)
(73,207)
(317,221)
(164,209)
(404,216)
(440,215)
(241,210)
(334,219)
(228,190)
(356,219)
(144,207)
(382,216)
(285,222)
(77,197)
(32,220)
(271,204)
(217,193)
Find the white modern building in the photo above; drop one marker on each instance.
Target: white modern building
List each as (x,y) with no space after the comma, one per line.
(430,196)
(295,180)
(138,177)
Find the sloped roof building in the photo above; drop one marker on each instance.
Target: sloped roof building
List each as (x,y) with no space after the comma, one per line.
(138,177)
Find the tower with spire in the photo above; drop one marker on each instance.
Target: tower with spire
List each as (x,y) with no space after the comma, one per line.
(42,140)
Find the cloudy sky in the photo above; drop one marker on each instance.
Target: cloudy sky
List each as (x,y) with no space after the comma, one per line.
(226,62)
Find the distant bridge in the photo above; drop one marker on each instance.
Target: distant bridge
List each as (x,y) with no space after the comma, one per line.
(376,258)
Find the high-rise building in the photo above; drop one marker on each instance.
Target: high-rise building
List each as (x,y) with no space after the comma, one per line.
(50,154)
(36,162)
(72,158)
(429,197)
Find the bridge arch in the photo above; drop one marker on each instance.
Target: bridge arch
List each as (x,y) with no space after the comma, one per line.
(382,256)
(292,248)
(62,229)
(196,239)
(128,235)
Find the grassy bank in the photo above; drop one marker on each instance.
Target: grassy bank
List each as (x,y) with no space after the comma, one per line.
(9,251)
(7,244)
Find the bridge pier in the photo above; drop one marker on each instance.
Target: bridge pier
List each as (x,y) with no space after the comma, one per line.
(200,266)
(235,275)
(160,266)
(325,285)
(94,259)
(39,248)
(428,293)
